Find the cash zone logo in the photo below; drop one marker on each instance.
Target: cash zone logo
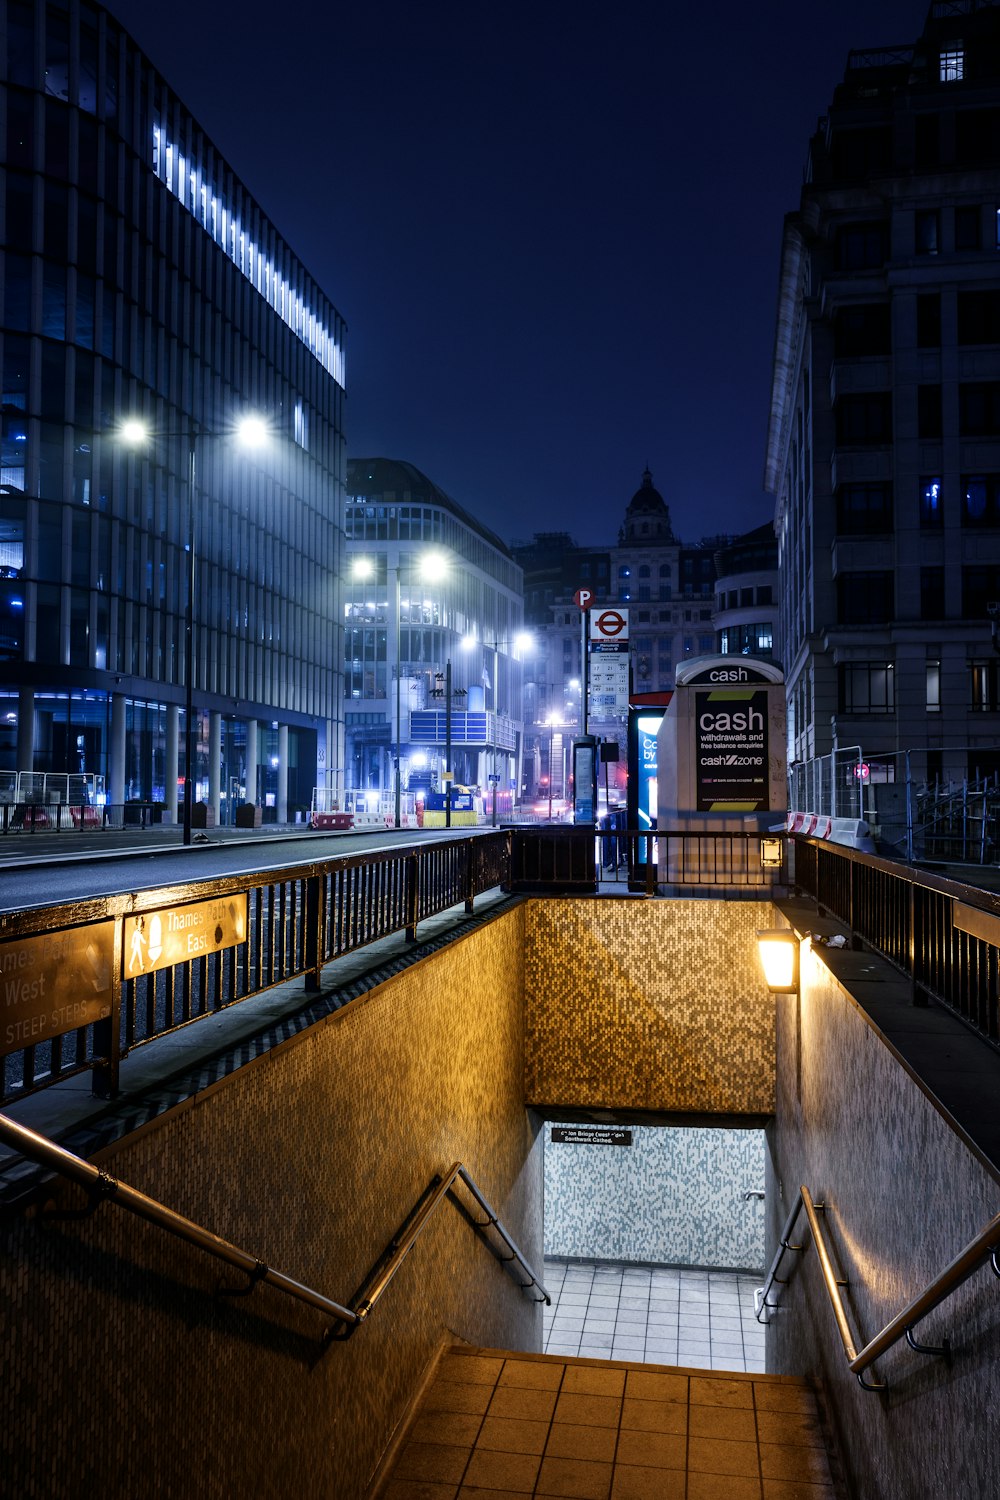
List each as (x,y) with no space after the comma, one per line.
(732,760)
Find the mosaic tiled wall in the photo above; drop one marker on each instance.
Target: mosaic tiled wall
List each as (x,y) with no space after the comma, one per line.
(131,1378)
(657,1005)
(903,1195)
(674,1196)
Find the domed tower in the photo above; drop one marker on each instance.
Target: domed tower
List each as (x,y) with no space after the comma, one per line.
(647,518)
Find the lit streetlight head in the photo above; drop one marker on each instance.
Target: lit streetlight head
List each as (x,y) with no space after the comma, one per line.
(468,641)
(524,641)
(133,432)
(433,567)
(362,567)
(252,432)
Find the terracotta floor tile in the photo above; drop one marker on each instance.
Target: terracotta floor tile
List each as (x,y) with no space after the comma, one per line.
(574,1478)
(778,1396)
(600,1411)
(448,1395)
(521,1402)
(644,1385)
(707,1390)
(453,1427)
(537,1374)
(778,1461)
(795,1489)
(418,1489)
(648,1484)
(790,1427)
(654,1416)
(721,1456)
(470,1369)
(503,1471)
(723,1487)
(437,1461)
(652,1450)
(735,1422)
(566,1440)
(506,1436)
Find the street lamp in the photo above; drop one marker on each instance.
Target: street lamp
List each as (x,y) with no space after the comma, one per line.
(432,567)
(250,432)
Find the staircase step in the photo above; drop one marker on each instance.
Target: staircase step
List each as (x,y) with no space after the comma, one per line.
(499,1425)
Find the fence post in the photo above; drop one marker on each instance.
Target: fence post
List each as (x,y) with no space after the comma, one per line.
(106,1065)
(469,854)
(918,994)
(650,867)
(313,939)
(413,895)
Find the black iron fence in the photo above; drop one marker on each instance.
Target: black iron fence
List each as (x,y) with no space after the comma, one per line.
(942,934)
(133,967)
(77,817)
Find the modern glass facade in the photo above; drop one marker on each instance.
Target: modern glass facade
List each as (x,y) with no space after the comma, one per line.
(139,278)
(471,617)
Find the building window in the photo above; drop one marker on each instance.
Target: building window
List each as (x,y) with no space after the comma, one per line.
(867,687)
(929,411)
(865,598)
(862,330)
(931,510)
(980,588)
(932,593)
(979,409)
(933,687)
(927,234)
(979,317)
(863,509)
(764,594)
(952,65)
(968,223)
(862,247)
(746,598)
(984,687)
(929,320)
(746,640)
(864,420)
(980,500)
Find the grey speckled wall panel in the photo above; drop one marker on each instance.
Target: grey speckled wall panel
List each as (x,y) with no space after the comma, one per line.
(130,1378)
(675,1196)
(903,1196)
(657,1005)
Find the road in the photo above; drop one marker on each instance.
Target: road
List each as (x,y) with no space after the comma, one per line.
(37,873)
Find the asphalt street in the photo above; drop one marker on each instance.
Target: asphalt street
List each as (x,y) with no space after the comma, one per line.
(50,869)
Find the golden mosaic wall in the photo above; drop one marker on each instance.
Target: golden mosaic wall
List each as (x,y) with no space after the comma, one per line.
(656,1005)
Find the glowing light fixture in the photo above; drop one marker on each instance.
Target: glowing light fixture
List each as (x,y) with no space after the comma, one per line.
(772,853)
(779,957)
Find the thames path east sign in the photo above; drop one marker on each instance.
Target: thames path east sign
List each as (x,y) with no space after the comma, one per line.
(54,983)
(177,934)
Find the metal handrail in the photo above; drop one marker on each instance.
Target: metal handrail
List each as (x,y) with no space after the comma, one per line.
(101,1187)
(984,1246)
(400,1249)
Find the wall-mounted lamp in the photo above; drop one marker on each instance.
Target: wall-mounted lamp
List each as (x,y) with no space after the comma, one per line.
(779,957)
(772,853)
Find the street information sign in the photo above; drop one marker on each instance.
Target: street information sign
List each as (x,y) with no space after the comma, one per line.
(591,1135)
(55,983)
(176,934)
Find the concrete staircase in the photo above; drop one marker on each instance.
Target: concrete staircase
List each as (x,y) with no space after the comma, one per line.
(503,1426)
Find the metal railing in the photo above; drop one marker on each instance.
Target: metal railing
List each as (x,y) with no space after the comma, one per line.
(942,934)
(298,918)
(985,1246)
(77,817)
(102,1188)
(649,862)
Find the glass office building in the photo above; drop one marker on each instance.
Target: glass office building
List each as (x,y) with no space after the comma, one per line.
(140,279)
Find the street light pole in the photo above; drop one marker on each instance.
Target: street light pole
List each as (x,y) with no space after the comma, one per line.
(447,742)
(189,644)
(399,714)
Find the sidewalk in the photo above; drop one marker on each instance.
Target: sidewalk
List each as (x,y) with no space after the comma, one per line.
(41,845)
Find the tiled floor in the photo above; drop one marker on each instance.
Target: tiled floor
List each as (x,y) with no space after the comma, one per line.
(607,1310)
(495,1426)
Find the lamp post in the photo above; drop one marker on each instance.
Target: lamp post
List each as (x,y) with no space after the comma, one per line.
(430,566)
(251,432)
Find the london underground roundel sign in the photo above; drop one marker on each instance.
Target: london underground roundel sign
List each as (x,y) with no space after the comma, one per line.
(609,625)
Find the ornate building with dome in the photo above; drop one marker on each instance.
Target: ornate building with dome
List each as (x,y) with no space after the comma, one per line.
(668,588)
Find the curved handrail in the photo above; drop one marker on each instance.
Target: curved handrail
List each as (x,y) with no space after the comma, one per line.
(984,1246)
(101,1187)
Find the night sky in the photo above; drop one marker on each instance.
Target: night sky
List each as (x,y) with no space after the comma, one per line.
(553,230)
